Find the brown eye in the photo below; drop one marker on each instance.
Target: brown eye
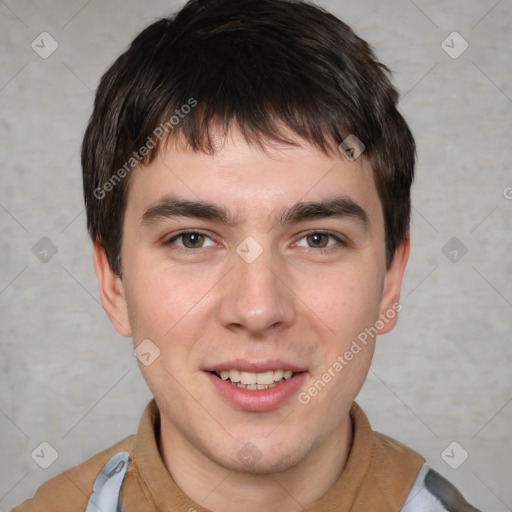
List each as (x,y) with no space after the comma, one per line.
(192,240)
(318,240)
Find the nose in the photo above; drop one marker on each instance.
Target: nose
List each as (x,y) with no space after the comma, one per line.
(256,296)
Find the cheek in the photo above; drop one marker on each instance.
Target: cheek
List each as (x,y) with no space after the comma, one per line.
(162,310)
(346,302)
(170,307)
(160,298)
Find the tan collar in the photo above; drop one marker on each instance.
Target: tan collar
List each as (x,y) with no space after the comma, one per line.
(379,471)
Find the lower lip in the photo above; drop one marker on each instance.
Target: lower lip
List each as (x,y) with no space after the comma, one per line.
(257,400)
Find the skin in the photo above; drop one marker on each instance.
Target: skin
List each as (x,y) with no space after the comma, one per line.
(303,300)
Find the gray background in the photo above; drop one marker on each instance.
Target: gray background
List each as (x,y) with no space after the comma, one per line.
(442,375)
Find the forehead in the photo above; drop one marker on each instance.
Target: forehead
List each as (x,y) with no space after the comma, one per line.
(248,180)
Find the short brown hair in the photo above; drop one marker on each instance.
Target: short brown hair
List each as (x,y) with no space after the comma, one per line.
(257,65)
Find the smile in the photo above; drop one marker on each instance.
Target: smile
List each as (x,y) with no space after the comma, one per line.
(253,380)
(256,391)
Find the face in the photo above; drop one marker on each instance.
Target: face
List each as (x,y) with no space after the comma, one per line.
(258,267)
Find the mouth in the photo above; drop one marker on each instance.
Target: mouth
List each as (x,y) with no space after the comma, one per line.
(255,381)
(256,387)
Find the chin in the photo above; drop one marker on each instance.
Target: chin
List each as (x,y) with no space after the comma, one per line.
(254,461)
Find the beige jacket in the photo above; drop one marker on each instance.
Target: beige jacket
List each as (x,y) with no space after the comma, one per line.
(381,475)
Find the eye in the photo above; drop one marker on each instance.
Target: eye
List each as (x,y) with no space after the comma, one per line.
(320,240)
(191,240)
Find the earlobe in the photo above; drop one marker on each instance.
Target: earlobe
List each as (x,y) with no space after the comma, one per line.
(112,292)
(389,306)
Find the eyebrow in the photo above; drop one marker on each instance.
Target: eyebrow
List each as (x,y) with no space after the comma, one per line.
(170,207)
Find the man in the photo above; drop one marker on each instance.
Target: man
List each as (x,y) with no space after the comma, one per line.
(247,183)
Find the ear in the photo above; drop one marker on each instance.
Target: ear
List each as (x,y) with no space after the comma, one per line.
(389,305)
(112,292)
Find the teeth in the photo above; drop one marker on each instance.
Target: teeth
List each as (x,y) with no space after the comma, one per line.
(255,386)
(248,377)
(278,375)
(234,375)
(265,377)
(252,380)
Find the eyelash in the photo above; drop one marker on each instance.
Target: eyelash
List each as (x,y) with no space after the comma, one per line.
(327,250)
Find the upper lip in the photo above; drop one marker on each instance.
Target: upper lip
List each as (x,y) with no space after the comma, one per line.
(254,366)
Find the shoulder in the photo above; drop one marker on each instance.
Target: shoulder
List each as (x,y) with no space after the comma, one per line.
(391,457)
(428,490)
(433,493)
(388,447)
(71,489)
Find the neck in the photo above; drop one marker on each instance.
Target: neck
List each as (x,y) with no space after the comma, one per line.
(219,489)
